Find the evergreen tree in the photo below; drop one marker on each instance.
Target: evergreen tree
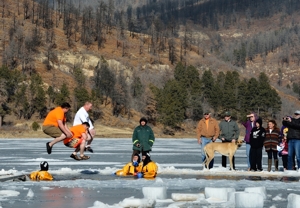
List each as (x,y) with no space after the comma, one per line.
(172,104)
(40,102)
(229,99)
(137,88)
(217,92)
(63,95)
(243,94)
(207,82)
(105,80)
(252,95)
(81,96)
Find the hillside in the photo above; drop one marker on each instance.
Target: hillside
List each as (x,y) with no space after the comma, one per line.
(64,47)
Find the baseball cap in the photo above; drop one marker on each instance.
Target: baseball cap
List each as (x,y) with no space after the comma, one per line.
(227,113)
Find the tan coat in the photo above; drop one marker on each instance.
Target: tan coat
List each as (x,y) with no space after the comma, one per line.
(213,129)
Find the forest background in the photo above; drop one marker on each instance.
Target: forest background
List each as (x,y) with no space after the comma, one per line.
(169,61)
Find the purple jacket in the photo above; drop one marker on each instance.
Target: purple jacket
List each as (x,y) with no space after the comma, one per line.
(248,127)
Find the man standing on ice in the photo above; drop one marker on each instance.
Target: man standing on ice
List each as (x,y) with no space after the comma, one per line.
(229,133)
(82,116)
(142,138)
(207,131)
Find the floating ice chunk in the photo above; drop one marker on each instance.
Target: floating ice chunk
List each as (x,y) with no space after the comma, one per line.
(159,180)
(259,190)
(187,197)
(293,200)
(98,204)
(30,193)
(155,192)
(177,205)
(249,200)
(134,202)
(231,196)
(8,193)
(218,193)
(278,198)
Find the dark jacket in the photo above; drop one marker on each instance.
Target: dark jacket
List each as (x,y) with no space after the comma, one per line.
(229,130)
(143,135)
(257,137)
(294,128)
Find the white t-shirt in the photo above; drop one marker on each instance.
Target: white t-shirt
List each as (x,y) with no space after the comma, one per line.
(82,116)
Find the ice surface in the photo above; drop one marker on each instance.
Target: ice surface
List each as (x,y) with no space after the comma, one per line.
(260,190)
(293,201)
(30,194)
(155,192)
(187,197)
(218,193)
(134,202)
(249,200)
(90,183)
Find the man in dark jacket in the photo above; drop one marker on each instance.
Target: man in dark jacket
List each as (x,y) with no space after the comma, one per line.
(142,138)
(257,137)
(293,138)
(229,133)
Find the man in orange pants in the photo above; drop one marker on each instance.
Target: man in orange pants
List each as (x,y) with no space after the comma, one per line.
(78,140)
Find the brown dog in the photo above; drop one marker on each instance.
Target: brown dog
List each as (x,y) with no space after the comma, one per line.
(227,149)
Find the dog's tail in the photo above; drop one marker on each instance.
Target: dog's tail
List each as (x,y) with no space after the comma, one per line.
(206,155)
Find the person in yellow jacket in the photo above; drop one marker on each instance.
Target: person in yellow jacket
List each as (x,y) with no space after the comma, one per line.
(43,174)
(130,168)
(148,168)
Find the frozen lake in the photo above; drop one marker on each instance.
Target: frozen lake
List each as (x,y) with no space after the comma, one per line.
(82,183)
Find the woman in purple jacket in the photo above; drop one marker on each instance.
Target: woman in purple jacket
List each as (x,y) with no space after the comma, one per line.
(249,124)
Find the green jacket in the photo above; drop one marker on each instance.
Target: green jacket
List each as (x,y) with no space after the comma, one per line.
(143,135)
(229,130)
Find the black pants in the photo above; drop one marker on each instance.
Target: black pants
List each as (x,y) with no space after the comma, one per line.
(255,158)
(285,161)
(272,153)
(224,159)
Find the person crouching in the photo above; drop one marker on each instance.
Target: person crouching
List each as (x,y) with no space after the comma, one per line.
(149,168)
(130,168)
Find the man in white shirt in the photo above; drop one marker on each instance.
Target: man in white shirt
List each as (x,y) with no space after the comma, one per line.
(83,116)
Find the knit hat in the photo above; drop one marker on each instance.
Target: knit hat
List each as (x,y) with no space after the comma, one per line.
(143,119)
(147,158)
(44,166)
(139,158)
(259,120)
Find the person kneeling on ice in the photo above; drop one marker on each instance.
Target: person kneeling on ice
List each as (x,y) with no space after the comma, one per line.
(148,168)
(78,140)
(42,174)
(131,168)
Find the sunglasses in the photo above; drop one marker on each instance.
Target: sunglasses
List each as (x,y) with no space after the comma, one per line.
(206,114)
(296,114)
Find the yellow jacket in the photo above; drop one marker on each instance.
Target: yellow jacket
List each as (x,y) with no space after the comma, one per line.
(40,175)
(150,170)
(128,169)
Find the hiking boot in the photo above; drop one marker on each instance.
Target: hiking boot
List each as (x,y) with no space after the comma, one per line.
(49,149)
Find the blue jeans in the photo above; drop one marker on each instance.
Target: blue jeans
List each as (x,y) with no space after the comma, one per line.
(294,149)
(205,141)
(248,146)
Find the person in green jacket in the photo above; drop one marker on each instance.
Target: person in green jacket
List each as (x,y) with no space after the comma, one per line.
(229,133)
(142,138)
